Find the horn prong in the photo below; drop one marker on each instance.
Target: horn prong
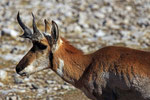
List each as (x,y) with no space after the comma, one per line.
(36,33)
(35,29)
(33,23)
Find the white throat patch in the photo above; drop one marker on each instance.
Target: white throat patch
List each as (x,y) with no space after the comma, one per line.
(60,68)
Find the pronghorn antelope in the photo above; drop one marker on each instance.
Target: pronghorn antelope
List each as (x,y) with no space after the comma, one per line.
(111,73)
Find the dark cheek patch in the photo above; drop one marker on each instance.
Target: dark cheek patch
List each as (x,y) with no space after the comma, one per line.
(27,59)
(22,64)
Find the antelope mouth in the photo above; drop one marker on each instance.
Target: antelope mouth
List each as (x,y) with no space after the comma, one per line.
(26,74)
(23,74)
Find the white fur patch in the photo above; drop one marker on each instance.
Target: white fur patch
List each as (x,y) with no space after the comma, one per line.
(142,84)
(58,45)
(105,75)
(29,68)
(45,33)
(60,68)
(37,65)
(42,63)
(60,42)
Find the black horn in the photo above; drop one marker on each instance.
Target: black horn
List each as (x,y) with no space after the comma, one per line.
(36,33)
(45,21)
(27,32)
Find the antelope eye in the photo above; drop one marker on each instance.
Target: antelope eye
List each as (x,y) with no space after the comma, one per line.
(40,45)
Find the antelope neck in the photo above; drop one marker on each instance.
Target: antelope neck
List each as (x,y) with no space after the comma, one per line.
(69,62)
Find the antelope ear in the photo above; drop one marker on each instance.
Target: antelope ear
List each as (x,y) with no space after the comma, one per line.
(51,32)
(54,32)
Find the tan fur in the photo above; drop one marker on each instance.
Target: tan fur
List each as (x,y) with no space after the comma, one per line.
(80,69)
(71,57)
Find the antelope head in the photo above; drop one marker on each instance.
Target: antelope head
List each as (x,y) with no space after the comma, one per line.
(40,56)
